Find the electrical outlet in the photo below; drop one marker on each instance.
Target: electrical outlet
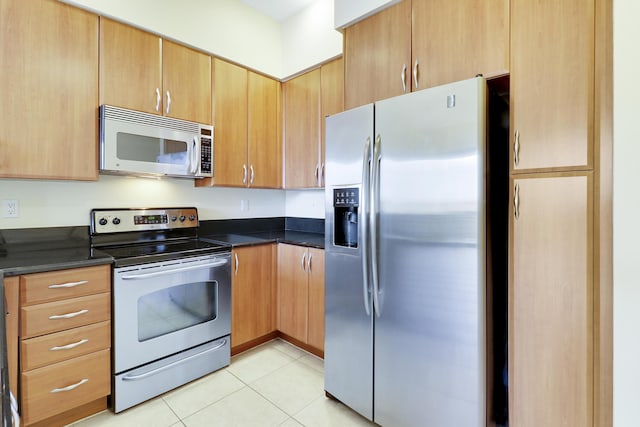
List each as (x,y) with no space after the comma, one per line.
(10,208)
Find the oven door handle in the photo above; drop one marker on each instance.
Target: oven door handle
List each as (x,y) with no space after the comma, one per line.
(175,270)
(172,364)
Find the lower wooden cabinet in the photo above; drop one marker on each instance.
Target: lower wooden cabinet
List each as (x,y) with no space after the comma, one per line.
(551,325)
(253,293)
(65,344)
(301,294)
(12,298)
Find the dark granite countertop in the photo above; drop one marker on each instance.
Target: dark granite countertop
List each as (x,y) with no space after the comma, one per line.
(315,240)
(24,251)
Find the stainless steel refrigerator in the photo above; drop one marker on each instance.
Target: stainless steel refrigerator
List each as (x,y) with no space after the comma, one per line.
(405,258)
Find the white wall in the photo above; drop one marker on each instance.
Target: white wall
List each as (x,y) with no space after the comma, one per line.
(305,203)
(67,203)
(309,37)
(626,215)
(228,28)
(235,31)
(348,12)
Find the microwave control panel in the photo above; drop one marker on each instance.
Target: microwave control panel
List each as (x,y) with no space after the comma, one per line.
(206,156)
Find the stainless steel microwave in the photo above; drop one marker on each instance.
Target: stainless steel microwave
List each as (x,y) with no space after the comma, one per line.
(142,144)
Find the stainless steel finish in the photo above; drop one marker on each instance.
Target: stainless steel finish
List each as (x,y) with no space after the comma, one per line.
(121,220)
(303,261)
(168,102)
(349,327)
(252,175)
(68,315)
(70,346)
(129,393)
(237,263)
(364,228)
(403,78)
(69,285)
(516,148)
(374,194)
(128,327)
(143,144)
(309,262)
(244,173)
(162,269)
(155,371)
(516,201)
(424,240)
(158,99)
(415,74)
(71,387)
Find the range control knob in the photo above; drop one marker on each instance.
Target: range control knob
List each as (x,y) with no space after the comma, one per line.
(192,217)
(174,218)
(182,218)
(103,221)
(116,221)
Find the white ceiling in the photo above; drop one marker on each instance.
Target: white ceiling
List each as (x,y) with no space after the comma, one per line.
(280,10)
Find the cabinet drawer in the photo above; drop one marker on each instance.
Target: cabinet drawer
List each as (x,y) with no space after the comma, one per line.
(56,285)
(57,316)
(60,387)
(54,348)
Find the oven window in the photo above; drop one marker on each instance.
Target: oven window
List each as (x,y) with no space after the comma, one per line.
(153,150)
(175,308)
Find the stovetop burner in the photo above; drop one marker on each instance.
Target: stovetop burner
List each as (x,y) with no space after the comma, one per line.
(137,236)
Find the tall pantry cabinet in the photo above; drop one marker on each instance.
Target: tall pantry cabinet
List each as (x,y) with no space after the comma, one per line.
(558,310)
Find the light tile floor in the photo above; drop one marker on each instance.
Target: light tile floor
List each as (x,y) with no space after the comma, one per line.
(275,384)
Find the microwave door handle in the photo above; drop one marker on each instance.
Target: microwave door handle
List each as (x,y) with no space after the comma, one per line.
(195,154)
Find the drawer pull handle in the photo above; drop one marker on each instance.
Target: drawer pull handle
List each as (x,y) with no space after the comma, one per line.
(69,285)
(70,387)
(69,346)
(68,315)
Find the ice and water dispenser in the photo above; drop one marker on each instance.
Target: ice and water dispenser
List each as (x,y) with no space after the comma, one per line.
(345,215)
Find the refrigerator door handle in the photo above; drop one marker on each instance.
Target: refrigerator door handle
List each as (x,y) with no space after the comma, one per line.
(374,208)
(364,238)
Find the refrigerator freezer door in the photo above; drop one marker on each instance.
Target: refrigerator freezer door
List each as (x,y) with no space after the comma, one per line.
(348,351)
(429,336)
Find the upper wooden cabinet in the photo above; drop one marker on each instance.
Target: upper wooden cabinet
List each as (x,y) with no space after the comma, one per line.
(423,43)
(49,91)
(377,56)
(308,99)
(143,72)
(552,84)
(331,99)
(551,302)
(302,131)
(247,147)
(457,40)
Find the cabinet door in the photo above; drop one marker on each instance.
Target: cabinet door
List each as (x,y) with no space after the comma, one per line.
(230,124)
(12,298)
(456,40)
(251,293)
(377,54)
(130,67)
(302,130)
(332,98)
(186,80)
(49,91)
(552,69)
(293,291)
(551,303)
(265,152)
(316,299)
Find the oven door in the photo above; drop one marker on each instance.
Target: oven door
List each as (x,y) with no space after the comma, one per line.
(167,307)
